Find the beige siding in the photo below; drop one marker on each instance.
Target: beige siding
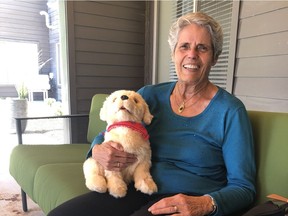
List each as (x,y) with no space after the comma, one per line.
(7,90)
(261,71)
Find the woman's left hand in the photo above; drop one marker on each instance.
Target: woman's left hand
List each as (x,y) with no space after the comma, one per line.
(183,205)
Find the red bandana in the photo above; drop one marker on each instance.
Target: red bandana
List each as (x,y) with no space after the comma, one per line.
(132,125)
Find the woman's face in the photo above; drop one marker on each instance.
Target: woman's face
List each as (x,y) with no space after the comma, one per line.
(193,55)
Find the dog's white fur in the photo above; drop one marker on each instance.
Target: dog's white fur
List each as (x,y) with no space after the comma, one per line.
(114,110)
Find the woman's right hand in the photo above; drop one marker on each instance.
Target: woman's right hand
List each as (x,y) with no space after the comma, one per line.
(112,156)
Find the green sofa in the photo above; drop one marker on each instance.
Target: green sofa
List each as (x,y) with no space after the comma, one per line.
(52,174)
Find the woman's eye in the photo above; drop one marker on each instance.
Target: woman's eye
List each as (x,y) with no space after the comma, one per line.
(202,48)
(184,46)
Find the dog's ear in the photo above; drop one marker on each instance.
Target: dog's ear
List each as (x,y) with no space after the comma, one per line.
(103,111)
(147,118)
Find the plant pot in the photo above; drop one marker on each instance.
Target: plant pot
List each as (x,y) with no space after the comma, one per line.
(17,108)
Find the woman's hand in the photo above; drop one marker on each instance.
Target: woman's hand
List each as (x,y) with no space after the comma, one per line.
(112,156)
(183,205)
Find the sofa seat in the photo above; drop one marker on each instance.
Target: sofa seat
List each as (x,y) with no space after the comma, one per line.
(59,182)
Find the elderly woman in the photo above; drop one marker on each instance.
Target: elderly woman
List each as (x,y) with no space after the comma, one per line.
(201,139)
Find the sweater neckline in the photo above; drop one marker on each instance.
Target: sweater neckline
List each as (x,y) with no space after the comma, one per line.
(172,86)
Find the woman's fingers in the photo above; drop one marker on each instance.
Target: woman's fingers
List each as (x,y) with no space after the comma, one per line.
(112,157)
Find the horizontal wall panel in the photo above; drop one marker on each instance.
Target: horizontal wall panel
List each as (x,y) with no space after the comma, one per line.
(255,26)
(100,8)
(87,94)
(109,70)
(109,35)
(109,59)
(22,17)
(19,20)
(273,88)
(136,5)
(33,5)
(84,105)
(14,36)
(108,23)
(264,104)
(267,45)
(102,82)
(109,47)
(23,28)
(253,8)
(7,91)
(22,33)
(268,66)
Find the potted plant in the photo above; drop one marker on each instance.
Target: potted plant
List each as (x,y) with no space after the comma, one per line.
(18,107)
(22,91)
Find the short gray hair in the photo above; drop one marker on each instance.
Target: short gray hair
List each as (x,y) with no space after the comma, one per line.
(200,19)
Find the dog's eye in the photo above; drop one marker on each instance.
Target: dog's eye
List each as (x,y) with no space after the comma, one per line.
(136,100)
(114,99)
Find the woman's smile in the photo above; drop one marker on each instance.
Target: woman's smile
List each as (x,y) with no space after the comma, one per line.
(191,67)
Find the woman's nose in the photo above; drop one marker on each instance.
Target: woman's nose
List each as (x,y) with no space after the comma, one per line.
(192,53)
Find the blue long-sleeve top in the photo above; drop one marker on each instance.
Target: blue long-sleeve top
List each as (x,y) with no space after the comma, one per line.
(211,153)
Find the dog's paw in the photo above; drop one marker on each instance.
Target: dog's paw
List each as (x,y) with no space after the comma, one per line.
(97,183)
(146,186)
(118,190)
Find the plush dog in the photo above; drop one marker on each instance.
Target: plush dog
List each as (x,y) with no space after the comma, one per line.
(124,111)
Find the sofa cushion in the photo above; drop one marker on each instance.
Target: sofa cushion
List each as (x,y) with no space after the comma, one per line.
(270,131)
(26,159)
(57,183)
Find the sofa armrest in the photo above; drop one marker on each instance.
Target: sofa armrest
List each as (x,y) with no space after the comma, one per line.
(19,121)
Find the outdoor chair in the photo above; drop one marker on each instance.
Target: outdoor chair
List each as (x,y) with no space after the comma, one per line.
(52,174)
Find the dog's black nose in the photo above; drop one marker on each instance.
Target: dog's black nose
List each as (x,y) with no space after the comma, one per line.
(124,97)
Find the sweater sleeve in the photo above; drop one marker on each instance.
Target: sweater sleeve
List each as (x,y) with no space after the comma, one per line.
(97,140)
(238,154)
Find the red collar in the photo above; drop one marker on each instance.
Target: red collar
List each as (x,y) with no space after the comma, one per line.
(132,125)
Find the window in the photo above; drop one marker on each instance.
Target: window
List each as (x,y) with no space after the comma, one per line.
(19,61)
(222,12)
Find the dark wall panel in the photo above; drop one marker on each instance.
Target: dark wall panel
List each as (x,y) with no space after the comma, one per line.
(107,49)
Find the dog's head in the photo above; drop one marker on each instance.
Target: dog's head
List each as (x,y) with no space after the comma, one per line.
(124,105)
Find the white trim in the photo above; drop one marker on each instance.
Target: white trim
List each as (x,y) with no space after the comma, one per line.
(195,6)
(232,48)
(155,42)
